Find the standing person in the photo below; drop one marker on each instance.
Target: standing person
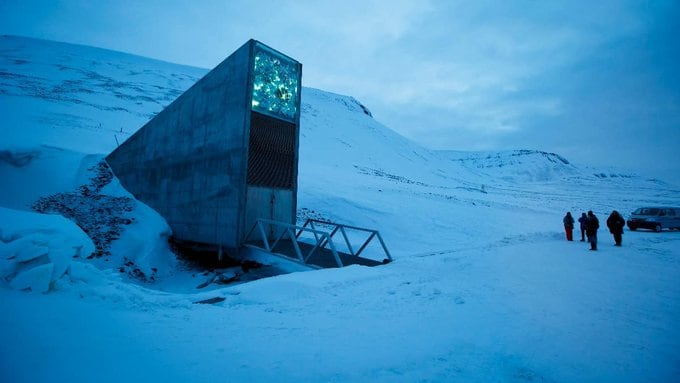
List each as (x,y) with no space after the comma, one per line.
(592,224)
(615,223)
(582,221)
(568,225)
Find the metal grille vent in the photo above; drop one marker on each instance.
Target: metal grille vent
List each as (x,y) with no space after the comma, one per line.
(271,154)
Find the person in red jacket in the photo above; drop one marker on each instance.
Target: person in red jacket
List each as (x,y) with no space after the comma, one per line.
(568,221)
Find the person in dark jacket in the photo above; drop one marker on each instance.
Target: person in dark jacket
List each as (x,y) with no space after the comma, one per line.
(582,222)
(615,223)
(592,224)
(568,221)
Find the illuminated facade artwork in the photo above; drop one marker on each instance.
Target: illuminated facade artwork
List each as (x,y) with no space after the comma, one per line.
(276,81)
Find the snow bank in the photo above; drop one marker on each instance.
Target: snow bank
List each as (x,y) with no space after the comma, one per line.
(36,250)
(128,236)
(144,242)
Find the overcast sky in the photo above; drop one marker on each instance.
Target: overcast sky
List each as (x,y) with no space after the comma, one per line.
(595,81)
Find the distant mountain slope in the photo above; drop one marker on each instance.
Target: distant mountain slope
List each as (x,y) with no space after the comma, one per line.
(537,166)
(516,165)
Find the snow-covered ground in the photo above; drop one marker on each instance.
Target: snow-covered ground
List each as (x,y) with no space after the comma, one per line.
(483,288)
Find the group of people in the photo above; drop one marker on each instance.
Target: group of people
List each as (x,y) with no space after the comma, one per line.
(589,225)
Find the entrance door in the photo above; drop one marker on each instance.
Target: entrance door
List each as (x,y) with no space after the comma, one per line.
(271,204)
(272,172)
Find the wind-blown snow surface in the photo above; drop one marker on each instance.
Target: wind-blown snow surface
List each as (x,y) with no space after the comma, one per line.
(484,287)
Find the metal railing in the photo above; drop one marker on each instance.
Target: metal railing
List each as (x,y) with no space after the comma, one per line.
(322,239)
(337,227)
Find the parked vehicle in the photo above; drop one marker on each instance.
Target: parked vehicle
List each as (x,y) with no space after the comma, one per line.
(655,218)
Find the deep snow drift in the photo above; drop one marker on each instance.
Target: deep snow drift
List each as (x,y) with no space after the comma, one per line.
(484,286)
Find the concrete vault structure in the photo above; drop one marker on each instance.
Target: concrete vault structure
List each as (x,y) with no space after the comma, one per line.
(224,153)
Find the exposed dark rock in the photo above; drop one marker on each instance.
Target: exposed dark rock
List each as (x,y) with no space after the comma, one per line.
(100,216)
(211,300)
(18,159)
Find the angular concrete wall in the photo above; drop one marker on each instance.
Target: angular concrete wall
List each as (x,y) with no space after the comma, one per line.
(189,162)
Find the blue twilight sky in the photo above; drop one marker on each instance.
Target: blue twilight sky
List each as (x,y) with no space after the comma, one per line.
(595,81)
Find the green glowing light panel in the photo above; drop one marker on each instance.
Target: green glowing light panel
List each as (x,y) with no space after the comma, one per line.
(276,84)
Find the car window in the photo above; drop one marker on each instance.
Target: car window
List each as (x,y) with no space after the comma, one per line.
(647,211)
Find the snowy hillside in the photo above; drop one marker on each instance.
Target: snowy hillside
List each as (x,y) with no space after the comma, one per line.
(484,287)
(518,165)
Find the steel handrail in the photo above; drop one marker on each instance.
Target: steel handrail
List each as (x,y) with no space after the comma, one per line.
(319,235)
(322,238)
(342,227)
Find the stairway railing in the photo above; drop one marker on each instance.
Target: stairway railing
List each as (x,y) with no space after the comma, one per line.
(337,227)
(322,239)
